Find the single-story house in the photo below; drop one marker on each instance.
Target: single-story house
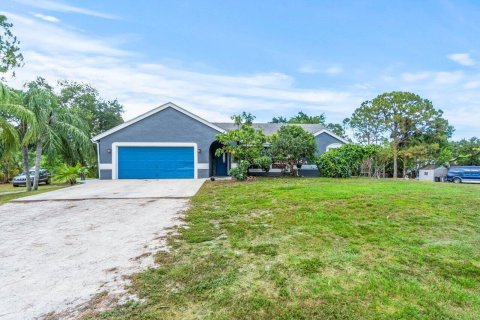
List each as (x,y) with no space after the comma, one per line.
(431,171)
(171,142)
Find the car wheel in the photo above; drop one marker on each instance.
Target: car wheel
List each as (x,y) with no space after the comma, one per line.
(48,181)
(15,186)
(457,180)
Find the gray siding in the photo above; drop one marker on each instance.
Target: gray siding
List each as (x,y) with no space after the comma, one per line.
(203,173)
(105,174)
(168,125)
(324,140)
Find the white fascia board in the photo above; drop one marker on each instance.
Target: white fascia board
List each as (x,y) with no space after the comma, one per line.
(115,146)
(330,133)
(152,112)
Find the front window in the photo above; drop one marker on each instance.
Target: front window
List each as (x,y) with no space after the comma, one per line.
(334,146)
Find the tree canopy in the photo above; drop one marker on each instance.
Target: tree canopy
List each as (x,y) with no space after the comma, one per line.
(84,100)
(10,55)
(403,118)
(291,144)
(303,118)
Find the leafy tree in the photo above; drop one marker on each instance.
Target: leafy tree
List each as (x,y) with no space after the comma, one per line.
(243,119)
(14,117)
(343,162)
(418,155)
(10,56)
(84,101)
(303,118)
(368,123)
(337,129)
(466,152)
(291,144)
(407,118)
(244,143)
(53,125)
(279,120)
(263,162)
(11,111)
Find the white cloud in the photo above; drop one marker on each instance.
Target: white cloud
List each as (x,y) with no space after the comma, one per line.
(415,76)
(334,70)
(310,69)
(449,78)
(462,58)
(62,7)
(51,39)
(46,18)
(57,53)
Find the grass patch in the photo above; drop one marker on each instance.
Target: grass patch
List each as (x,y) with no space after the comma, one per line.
(319,249)
(19,192)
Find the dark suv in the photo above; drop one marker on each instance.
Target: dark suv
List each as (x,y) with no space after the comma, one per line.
(21,179)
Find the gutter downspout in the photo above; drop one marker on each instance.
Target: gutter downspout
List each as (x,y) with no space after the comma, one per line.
(98,158)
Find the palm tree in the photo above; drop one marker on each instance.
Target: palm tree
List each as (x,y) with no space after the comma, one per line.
(55,125)
(13,114)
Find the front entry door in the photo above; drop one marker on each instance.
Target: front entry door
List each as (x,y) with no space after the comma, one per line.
(221,168)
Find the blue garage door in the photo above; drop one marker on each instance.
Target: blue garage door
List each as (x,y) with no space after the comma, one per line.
(155,163)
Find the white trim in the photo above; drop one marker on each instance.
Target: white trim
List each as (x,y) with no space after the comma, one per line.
(98,158)
(330,133)
(153,111)
(115,146)
(257,170)
(309,167)
(105,166)
(203,166)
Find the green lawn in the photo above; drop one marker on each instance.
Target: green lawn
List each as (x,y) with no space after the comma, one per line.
(319,249)
(19,192)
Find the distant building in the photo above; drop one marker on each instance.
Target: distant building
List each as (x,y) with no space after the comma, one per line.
(431,171)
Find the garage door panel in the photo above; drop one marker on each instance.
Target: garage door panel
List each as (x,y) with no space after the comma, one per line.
(155,162)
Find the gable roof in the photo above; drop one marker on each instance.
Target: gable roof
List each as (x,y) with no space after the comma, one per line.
(152,112)
(431,167)
(267,128)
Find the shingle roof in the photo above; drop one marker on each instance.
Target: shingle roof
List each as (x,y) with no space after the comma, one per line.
(430,167)
(271,128)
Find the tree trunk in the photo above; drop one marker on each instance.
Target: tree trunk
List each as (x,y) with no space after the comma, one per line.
(293,169)
(38,157)
(370,167)
(5,171)
(395,163)
(26,167)
(404,167)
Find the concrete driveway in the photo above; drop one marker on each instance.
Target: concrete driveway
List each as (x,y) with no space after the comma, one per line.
(59,249)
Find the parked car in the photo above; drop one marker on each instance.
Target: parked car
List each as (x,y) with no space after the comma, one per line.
(467,174)
(21,179)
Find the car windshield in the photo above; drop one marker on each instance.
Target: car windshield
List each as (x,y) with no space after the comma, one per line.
(31,172)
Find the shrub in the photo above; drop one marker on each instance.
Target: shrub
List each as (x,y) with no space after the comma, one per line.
(291,145)
(68,173)
(342,162)
(241,171)
(263,163)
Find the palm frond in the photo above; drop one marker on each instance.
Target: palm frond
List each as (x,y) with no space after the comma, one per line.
(8,137)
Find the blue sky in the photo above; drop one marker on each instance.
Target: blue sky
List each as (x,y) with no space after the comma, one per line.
(271,58)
